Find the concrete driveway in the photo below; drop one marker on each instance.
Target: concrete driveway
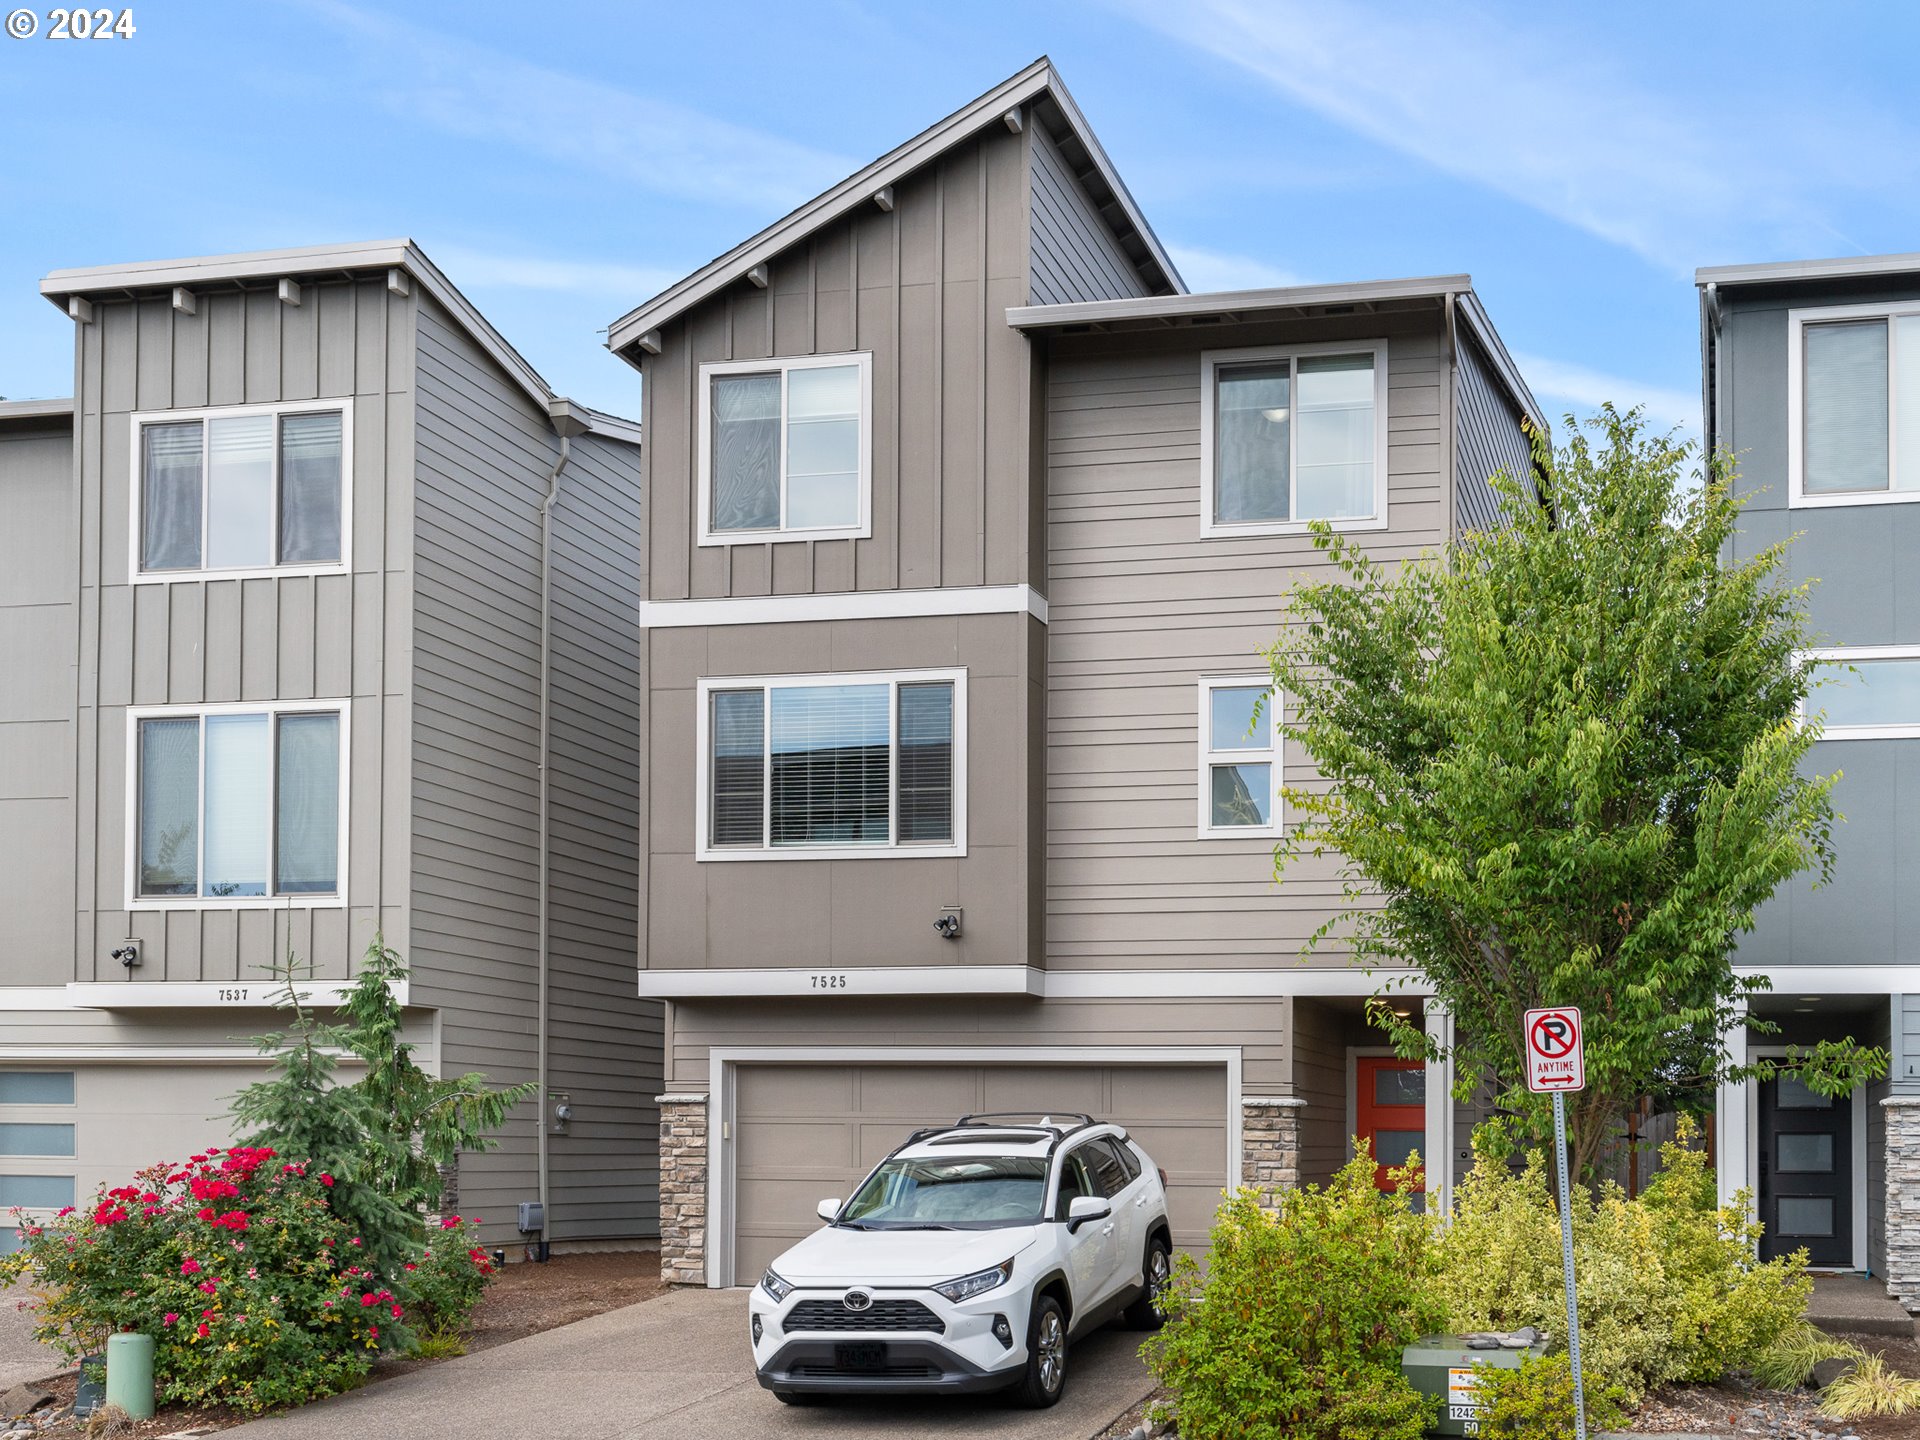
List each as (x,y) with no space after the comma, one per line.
(678,1367)
(21,1357)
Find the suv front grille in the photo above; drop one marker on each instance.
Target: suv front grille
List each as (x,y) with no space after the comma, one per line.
(905,1370)
(885,1315)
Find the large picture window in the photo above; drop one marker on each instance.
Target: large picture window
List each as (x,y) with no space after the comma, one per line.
(239,491)
(833,765)
(1291,436)
(785,449)
(1239,756)
(237,804)
(1854,405)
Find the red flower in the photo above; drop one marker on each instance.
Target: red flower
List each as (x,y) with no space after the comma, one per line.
(373,1332)
(396,1312)
(449,1222)
(206,1213)
(189,1266)
(171,1316)
(209,1286)
(366,1300)
(203,1329)
(411,1266)
(326,1179)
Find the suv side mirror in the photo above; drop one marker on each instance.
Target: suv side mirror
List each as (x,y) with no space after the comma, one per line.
(828,1209)
(1083,1208)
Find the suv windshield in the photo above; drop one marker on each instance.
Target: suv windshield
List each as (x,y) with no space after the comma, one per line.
(966,1192)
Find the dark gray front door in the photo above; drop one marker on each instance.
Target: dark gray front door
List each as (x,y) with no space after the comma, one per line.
(1806,1173)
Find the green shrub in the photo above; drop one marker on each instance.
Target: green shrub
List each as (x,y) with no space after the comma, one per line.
(1535,1402)
(1669,1286)
(237,1266)
(1870,1388)
(1305,1309)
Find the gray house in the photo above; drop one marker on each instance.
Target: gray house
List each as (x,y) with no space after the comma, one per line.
(966,528)
(1809,381)
(319,609)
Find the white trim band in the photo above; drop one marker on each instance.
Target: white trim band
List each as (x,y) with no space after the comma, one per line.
(172,995)
(851,980)
(855,605)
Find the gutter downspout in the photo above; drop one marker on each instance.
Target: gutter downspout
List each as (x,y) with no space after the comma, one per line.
(567,422)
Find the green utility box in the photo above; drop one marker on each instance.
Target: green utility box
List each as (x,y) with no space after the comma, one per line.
(1443,1365)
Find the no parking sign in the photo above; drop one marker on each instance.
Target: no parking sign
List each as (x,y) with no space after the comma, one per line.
(1556,1057)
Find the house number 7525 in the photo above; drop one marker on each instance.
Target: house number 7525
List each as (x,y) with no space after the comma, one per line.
(829,982)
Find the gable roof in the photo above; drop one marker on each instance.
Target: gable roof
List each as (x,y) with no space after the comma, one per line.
(1037,82)
(254,268)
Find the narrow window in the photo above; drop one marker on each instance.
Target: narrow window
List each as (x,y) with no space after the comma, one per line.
(307,806)
(1252,444)
(739,771)
(170,497)
(746,452)
(1846,433)
(926,763)
(823,448)
(311,453)
(240,492)
(1238,751)
(169,809)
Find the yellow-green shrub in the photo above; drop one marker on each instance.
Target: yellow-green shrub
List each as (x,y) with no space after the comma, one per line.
(1669,1285)
(1535,1402)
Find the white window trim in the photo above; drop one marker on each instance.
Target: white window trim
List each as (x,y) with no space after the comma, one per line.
(341,404)
(704,849)
(1209,757)
(339,705)
(784,365)
(1213,361)
(1844,655)
(1797,322)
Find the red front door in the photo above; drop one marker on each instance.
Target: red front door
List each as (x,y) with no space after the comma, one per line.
(1391,1111)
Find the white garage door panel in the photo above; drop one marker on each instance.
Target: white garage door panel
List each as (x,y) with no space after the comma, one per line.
(804,1132)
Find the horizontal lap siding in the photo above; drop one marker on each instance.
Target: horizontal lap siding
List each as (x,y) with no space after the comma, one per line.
(924,288)
(297,637)
(1074,253)
(485,454)
(1141,606)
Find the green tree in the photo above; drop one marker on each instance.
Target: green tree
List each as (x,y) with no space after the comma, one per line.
(381,1139)
(1565,758)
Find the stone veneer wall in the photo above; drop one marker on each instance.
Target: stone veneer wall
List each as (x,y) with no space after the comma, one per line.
(683,1189)
(1270,1144)
(1903,1198)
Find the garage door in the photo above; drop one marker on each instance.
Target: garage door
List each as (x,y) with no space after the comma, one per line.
(804,1132)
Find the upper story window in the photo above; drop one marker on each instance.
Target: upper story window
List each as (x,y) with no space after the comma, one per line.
(240,491)
(237,804)
(1289,436)
(786,449)
(1853,414)
(1239,756)
(833,766)
(1869,693)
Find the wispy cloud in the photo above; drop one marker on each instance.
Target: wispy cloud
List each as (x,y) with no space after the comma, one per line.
(1562,130)
(481,269)
(1581,390)
(1212,270)
(471,92)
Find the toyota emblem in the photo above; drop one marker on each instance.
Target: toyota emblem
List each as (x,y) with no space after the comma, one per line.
(857,1300)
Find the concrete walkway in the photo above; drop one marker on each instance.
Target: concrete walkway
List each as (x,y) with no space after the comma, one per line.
(1859,1305)
(21,1357)
(678,1367)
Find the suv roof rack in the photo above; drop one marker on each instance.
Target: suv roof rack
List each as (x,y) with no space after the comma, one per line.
(1045,1122)
(994,1124)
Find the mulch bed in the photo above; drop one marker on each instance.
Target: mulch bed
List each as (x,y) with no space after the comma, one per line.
(524,1299)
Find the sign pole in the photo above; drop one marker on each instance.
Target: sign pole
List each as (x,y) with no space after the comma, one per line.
(1566,1260)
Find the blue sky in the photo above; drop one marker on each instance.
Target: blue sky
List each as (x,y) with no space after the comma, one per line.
(563,162)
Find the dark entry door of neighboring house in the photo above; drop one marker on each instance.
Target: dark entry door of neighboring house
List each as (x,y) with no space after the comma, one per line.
(1390,1110)
(1806,1173)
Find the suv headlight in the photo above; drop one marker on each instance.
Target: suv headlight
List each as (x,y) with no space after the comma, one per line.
(978,1283)
(775,1286)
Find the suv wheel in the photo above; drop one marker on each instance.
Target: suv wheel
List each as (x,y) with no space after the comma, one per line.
(1156,1271)
(1046,1375)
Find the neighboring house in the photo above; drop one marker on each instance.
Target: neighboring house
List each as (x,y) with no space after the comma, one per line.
(281,679)
(1813,382)
(966,529)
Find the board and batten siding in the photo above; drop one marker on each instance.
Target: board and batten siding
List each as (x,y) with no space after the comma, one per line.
(925,289)
(38,615)
(483,456)
(292,637)
(1073,252)
(1142,606)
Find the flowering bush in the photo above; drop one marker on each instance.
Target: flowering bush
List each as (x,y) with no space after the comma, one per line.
(447,1280)
(235,1264)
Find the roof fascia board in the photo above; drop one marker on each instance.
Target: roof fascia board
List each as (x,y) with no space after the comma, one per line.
(1776,271)
(14,410)
(1037,79)
(1174,307)
(1496,349)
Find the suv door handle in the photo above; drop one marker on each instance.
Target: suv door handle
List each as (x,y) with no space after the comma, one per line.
(1107,1229)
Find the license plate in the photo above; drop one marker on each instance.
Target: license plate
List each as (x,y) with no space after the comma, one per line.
(861,1355)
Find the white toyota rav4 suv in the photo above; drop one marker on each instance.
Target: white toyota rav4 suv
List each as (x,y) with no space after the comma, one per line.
(967,1260)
